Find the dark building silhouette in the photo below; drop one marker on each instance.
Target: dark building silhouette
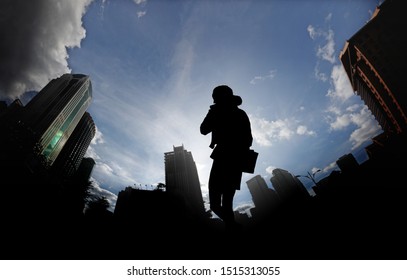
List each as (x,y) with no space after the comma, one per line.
(242,218)
(294,212)
(42,144)
(181,178)
(85,169)
(374,60)
(287,186)
(347,163)
(53,124)
(148,209)
(264,198)
(326,186)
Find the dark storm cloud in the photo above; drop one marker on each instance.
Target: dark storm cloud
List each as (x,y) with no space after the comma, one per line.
(35,36)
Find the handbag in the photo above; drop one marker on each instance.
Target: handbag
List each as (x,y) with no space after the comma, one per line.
(249,161)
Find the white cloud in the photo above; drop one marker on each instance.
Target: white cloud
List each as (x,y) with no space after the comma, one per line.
(105,169)
(97,191)
(320,75)
(367,127)
(329,167)
(35,50)
(141,3)
(312,32)
(328,17)
(315,170)
(141,14)
(342,89)
(91,152)
(303,130)
(327,51)
(341,122)
(244,207)
(333,109)
(353,108)
(270,169)
(357,115)
(269,76)
(98,138)
(266,132)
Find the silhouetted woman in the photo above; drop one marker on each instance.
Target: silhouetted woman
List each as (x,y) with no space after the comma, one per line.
(231,138)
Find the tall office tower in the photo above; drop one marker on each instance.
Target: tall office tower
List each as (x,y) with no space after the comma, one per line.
(288,187)
(263,197)
(85,169)
(347,163)
(55,111)
(71,155)
(181,178)
(265,200)
(374,59)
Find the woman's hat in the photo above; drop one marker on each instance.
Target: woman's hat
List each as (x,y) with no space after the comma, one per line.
(223,94)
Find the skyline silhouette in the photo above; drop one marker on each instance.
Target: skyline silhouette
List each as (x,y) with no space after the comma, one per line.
(356,212)
(351,208)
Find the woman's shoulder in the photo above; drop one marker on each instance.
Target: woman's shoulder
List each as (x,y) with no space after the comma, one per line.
(241,112)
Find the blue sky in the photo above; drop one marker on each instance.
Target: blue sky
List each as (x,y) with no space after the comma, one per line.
(153,65)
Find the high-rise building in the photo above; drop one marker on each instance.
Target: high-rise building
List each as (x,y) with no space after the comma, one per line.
(53,127)
(181,178)
(71,155)
(287,186)
(264,198)
(374,59)
(85,169)
(347,163)
(262,195)
(53,114)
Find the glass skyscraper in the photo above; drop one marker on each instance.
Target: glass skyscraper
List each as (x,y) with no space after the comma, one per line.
(53,114)
(71,155)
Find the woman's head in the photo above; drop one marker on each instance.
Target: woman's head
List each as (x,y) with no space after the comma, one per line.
(223,94)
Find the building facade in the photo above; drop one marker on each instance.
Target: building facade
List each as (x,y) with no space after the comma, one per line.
(287,186)
(181,178)
(52,129)
(374,60)
(265,199)
(71,155)
(53,114)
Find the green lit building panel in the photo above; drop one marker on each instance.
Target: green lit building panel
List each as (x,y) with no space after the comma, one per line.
(58,133)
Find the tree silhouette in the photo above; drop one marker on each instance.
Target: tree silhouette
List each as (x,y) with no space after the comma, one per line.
(97,208)
(160,187)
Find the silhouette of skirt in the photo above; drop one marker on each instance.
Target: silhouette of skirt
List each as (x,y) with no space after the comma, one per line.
(225,173)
